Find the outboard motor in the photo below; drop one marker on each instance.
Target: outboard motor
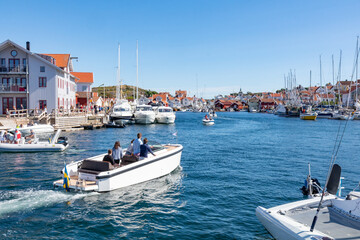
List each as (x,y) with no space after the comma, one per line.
(63,140)
(312,189)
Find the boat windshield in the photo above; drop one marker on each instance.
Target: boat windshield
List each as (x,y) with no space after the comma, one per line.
(165,110)
(155,146)
(144,108)
(121,109)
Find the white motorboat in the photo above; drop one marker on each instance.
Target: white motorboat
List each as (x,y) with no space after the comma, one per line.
(208,122)
(93,174)
(144,114)
(37,128)
(121,112)
(324,114)
(338,218)
(164,115)
(55,144)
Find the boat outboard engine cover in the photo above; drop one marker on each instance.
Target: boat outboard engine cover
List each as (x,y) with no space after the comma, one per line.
(63,140)
(315,187)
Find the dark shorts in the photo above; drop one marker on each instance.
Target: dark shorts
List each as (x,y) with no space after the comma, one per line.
(117,161)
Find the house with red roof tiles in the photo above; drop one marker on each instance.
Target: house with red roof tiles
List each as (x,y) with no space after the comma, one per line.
(84,80)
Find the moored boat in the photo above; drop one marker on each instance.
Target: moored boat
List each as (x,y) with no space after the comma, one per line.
(308,116)
(164,115)
(37,128)
(92,174)
(144,114)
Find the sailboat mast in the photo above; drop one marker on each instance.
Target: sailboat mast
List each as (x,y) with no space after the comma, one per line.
(118,95)
(339,78)
(356,69)
(119,79)
(137,71)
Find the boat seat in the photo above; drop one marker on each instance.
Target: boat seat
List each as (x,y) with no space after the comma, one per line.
(94,167)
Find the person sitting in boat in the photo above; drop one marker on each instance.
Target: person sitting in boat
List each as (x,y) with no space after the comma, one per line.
(31,138)
(130,149)
(206,117)
(117,152)
(145,149)
(2,136)
(109,158)
(17,136)
(136,145)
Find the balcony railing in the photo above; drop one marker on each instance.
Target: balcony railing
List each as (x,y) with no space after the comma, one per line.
(16,69)
(12,88)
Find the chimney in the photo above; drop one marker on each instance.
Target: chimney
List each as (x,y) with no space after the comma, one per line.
(28,45)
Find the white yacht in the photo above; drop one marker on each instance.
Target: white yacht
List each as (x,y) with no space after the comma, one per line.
(144,114)
(164,115)
(121,112)
(93,174)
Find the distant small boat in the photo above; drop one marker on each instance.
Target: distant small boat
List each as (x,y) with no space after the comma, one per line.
(208,122)
(114,125)
(308,116)
(56,144)
(213,114)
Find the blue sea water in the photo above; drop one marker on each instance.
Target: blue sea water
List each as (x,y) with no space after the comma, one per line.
(227,170)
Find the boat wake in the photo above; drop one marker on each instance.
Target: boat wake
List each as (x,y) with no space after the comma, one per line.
(21,201)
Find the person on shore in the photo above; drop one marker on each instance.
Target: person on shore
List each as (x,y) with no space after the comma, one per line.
(130,149)
(7,113)
(117,152)
(31,138)
(145,149)
(45,109)
(109,158)
(136,145)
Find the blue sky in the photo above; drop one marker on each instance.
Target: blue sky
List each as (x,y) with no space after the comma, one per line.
(226,45)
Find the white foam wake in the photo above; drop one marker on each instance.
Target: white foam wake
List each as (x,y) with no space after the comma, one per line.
(18,201)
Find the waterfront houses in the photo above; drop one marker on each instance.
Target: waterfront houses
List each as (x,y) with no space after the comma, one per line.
(31,80)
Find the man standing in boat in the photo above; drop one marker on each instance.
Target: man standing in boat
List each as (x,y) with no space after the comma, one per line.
(136,145)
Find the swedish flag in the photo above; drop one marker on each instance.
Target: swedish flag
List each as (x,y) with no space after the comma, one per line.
(66,180)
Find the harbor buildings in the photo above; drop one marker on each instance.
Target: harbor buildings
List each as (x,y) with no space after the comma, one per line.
(31,80)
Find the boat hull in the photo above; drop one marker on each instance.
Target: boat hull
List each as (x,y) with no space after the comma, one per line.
(208,122)
(139,173)
(38,147)
(165,119)
(141,118)
(308,117)
(165,161)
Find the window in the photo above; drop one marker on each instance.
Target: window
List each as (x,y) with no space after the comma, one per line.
(21,101)
(42,81)
(7,103)
(42,68)
(42,104)
(84,88)
(2,62)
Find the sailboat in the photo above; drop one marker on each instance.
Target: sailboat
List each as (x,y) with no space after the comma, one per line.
(121,112)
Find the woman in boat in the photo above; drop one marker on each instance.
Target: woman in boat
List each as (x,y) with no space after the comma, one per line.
(130,149)
(206,117)
(117,152)
(2,136)
(145,149)
(109,158)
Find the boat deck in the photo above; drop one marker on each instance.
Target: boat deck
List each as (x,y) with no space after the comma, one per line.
(75,183)
(329,222)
